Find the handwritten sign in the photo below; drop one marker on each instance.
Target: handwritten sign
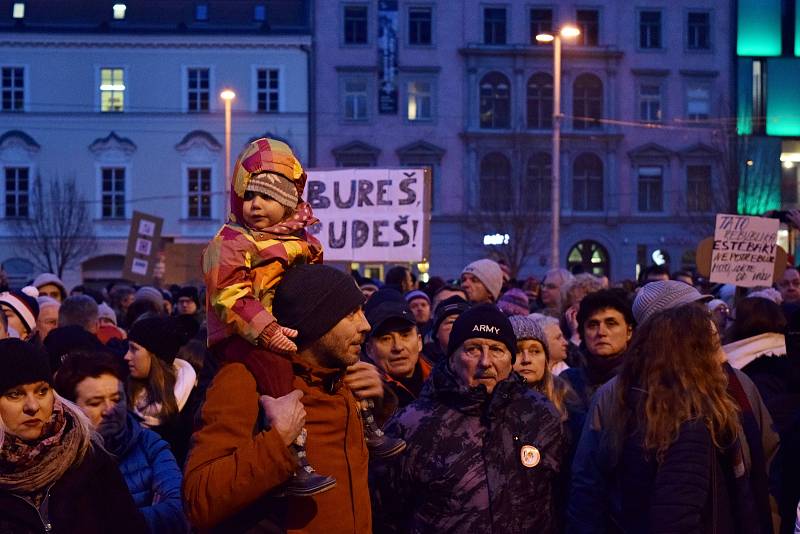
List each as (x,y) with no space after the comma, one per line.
(143,245)
(744,250)
(371,215)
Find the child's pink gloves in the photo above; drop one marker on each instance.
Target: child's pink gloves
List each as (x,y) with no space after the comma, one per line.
(276,338)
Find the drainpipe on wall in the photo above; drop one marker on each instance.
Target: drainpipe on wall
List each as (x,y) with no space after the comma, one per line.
(310,75)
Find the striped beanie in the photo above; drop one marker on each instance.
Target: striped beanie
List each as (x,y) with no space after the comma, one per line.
(275,186)
(23,305)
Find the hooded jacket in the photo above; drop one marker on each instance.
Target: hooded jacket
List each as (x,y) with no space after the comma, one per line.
(464,469)
(242,266)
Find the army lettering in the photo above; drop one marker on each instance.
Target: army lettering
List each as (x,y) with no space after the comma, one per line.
(485,328)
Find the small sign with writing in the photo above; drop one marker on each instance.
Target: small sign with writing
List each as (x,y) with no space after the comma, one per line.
(143,247)
(744,251)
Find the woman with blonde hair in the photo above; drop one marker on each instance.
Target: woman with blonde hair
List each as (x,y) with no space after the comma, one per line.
(662,447)
(54,473)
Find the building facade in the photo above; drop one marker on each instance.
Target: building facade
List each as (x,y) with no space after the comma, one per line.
(646,92)
(123,97)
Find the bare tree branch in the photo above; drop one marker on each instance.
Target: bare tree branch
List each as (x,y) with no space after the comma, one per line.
(58,232)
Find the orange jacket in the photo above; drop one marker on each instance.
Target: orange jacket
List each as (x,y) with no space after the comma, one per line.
(233,465)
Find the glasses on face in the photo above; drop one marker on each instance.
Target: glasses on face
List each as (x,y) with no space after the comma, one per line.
(787,283)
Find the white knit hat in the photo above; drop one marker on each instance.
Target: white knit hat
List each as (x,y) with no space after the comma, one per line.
(489,273)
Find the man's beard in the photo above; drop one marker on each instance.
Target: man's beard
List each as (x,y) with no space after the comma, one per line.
(332,352)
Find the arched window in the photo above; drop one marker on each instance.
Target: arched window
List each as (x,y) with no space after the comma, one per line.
(538,181)
(495,183)
(540,101)
(587,183)
(587,102)
(495,93)
(588,257)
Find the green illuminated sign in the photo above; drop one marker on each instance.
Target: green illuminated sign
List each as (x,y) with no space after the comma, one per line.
(759,28)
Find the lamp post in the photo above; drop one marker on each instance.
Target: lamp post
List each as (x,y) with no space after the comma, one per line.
(555,190)
(227,97)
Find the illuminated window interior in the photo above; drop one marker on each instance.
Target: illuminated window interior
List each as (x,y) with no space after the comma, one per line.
(112,89)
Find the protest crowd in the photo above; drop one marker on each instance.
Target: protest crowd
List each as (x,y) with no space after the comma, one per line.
(285,395)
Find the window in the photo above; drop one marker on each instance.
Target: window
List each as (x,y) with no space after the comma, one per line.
(494,25)
(495,101)
(355,25)
(267,90)
(118,11)
(17,191)
(698,31)
(698,188)
(495,183)
(651,189)
(198,89)
(540,101)
(650,29)
(355,99)
(113,192)
(260,13)
(201,12)
(112,89)
(199,193)
(18,10)
(13,89)
(420,100)
(650,102)
(587,102)
(541,22)
(698,101)
(538,182)
(588,21)
(420,25)
(587,183)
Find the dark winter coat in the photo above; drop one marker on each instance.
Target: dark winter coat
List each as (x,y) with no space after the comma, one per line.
(153,478)
(618,488)
(463,470)
(90,498)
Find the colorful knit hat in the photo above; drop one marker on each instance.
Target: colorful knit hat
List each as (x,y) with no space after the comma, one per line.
(275,186)
(514,302)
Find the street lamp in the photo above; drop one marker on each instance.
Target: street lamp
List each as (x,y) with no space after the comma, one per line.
(567,32)
(227,96)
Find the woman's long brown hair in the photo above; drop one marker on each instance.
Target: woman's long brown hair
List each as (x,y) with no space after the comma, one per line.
(159,386)
(674,359)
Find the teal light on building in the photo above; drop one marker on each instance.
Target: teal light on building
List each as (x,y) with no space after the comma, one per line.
(759,175)
(744,96)
(759,28)
(783,95)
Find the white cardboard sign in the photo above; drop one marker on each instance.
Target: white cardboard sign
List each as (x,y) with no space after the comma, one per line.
(371,215)
(744,250)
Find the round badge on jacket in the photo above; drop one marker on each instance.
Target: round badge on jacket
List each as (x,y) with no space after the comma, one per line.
(530,456)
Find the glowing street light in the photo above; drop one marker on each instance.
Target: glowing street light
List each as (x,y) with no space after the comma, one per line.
(567,32)
(227,95)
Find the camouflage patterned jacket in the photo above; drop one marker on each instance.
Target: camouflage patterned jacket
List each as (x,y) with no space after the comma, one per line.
(465,466)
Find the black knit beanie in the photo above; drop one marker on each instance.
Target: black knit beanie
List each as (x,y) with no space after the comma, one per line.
(22,363)
(188,292)
(313,298)
(483,321)
(454,305)
(160,335)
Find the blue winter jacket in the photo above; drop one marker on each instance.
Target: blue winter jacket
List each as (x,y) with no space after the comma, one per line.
(153,478)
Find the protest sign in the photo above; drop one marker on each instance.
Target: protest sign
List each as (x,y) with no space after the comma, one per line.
(143,248)
(744,251)
(371,215)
